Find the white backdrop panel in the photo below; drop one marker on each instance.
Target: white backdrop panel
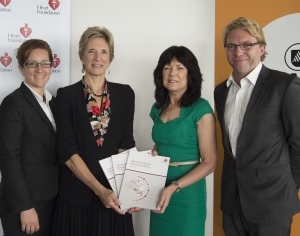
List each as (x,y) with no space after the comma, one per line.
(40,21)
(22,20)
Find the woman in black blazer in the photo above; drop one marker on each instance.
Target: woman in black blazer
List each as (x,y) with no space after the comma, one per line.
(94,121)
(28,160)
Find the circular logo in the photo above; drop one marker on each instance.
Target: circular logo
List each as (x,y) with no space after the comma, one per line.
(292,57)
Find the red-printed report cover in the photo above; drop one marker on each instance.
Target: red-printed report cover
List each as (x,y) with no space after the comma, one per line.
(143,180)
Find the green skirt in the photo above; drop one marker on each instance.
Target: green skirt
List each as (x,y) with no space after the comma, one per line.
(186,213)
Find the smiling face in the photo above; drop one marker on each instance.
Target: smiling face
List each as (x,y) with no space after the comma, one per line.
(175,77)
(36,78)
(243,61)
(96,57)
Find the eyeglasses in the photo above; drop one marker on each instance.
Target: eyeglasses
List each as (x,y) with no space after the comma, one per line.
(34,64)
(244,46)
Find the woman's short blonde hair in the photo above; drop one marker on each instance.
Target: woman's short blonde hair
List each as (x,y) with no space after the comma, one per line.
(246,24)
(96,32)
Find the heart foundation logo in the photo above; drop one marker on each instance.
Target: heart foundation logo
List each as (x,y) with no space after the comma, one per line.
(54,4)
(5,60)
(5,2)
(56,61)
(25,31)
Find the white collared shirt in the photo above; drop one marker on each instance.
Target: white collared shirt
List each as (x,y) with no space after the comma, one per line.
(236,104)
(44,105)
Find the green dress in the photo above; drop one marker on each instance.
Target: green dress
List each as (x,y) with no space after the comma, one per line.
(177,139)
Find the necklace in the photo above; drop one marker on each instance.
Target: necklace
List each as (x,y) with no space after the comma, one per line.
(170,109)
(99,96)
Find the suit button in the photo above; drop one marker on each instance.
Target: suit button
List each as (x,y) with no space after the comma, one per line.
(54,164)
(237,169)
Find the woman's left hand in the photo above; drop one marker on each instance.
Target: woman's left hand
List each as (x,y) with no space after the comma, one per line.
(165,198)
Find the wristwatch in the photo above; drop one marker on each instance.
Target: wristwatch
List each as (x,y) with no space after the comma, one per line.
(176,185)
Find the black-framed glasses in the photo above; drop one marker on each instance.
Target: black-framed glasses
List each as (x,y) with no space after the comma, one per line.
(243,46)
(34,64)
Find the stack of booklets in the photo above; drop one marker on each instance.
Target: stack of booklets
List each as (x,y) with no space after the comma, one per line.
(137,178)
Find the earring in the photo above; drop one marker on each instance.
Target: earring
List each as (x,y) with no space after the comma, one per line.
(82,70)
(108,69)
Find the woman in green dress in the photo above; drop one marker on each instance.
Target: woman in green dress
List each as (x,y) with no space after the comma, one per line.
(184,130)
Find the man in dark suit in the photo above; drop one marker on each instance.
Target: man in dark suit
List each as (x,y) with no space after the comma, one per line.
(258,111)
(28,159)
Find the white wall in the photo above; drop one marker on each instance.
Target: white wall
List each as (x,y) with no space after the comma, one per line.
(142,31)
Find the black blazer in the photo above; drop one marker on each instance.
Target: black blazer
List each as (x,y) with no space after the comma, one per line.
(75,136)
(28,159)
(266,170)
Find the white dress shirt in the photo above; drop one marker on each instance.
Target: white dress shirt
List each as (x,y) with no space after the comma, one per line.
(236,104)
(44,105)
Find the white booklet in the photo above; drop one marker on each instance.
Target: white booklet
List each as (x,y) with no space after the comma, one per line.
(144,179)
(107,167)
(119,164)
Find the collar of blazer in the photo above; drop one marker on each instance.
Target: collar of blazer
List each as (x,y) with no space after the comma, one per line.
(221,96)
(258,91)
(32,100)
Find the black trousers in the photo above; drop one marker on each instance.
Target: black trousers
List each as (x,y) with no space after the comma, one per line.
(11,224)
(237,225)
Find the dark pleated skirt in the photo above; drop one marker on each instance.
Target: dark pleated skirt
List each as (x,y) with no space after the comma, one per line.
(96,220)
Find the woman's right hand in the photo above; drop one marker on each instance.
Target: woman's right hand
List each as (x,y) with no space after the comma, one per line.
(154,150)
(109,199)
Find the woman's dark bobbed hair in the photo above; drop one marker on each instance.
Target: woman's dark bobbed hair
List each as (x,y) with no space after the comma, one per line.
(188,59)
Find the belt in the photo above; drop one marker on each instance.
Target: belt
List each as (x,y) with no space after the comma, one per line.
(178,164)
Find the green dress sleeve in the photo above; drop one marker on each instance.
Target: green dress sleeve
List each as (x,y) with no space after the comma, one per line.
(201,108)
(153,112)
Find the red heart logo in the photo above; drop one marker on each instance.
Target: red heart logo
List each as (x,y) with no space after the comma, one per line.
(5,60)
(54,4)
(25,31)
(5,2)
(56,61)
(165,160)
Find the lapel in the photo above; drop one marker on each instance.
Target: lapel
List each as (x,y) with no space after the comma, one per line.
(222,100)
(32,100)
(258,91)
(52,104)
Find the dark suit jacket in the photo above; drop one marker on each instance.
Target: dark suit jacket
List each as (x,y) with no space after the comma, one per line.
(266,170)
(28,160)
(75,136)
